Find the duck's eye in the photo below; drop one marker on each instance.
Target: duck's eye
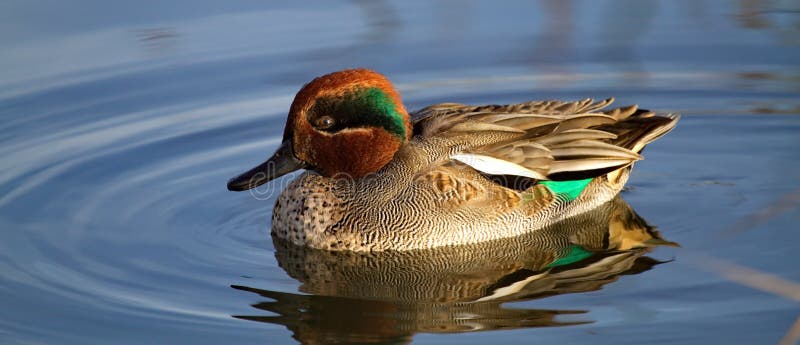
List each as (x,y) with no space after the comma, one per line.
(325,122)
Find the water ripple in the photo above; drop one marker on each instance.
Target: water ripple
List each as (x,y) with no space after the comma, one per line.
(112,187)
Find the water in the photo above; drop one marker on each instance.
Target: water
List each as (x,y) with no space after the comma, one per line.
(121,124)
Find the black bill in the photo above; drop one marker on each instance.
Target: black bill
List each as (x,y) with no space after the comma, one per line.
(281,163)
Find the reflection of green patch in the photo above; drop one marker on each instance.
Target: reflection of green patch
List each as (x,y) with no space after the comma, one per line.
(576,253)
(569,189)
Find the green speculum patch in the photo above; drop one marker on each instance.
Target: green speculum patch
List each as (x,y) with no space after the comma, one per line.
(570,189)
(365,107)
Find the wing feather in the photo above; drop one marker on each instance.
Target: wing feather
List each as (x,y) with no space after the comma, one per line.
(542,138)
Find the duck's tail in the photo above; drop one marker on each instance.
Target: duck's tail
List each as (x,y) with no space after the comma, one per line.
(638,127)
(635,129)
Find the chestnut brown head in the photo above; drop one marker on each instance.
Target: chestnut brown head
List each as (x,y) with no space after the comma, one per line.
(344,124)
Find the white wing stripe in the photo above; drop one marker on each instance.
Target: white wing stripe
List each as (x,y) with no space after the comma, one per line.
(494,166)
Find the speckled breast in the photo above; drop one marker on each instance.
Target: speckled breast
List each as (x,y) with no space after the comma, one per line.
(306,211)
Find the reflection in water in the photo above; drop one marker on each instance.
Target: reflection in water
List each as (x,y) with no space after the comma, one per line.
(555,40)
(560,37)
(784,22)
(390,296)
(621,37)
(158,41)
(382,20)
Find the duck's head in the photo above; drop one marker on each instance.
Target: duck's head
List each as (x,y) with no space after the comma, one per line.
(344,124)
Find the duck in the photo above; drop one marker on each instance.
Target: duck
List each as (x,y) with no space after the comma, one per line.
(378,178)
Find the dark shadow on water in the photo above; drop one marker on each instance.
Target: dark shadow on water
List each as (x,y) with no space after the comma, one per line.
(388,297)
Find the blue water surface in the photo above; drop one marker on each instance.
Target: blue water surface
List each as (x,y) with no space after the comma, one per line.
(120,123)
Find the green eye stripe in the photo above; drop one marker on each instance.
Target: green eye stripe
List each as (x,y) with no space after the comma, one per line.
(365,107)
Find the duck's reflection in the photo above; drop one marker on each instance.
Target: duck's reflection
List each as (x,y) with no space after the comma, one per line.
(388,297)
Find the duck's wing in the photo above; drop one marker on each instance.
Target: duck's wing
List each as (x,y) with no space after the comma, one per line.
(543,140)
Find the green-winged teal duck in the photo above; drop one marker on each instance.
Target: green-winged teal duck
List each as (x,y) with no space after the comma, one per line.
(378,178)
